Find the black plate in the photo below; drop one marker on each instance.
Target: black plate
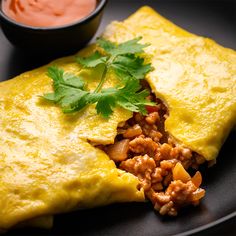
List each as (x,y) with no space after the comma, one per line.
(216,214)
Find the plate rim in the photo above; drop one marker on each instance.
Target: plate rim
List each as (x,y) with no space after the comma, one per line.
(208,225)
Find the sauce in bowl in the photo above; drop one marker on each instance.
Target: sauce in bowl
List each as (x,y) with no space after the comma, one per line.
(47,13)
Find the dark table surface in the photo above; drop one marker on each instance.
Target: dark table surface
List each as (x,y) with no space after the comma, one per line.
(212,18)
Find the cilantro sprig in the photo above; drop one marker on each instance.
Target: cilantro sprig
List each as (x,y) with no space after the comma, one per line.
(70,91)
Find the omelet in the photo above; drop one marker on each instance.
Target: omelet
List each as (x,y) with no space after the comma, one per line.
(48,161)
(194,76)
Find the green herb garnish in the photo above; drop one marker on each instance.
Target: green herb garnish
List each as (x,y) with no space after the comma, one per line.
(123,59)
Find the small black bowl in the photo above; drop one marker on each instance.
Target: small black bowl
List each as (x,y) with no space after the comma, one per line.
(58,40)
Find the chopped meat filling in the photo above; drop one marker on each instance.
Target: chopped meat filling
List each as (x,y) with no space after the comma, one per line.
(143,148)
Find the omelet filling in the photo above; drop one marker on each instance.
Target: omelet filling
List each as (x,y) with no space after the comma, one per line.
(143,147)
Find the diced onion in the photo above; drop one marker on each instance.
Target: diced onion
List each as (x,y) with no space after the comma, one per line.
(197,179)
(118,151)
(179,173)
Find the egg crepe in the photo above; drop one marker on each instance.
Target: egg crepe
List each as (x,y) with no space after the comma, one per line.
(48,164)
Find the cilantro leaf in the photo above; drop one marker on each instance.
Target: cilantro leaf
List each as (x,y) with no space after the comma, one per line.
(69,90)
(73,81)
(108,46)
(75,102)
(60,78)
(121,58)
(128,47)
(130,65)
(106,103)
(55,74)
(124,60)
(129,97)
(93,60)
(49,96)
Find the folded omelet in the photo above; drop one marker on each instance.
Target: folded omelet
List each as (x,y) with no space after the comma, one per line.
(48,164)
(194,76)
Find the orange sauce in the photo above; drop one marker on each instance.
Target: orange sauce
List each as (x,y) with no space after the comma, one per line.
(47,13)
